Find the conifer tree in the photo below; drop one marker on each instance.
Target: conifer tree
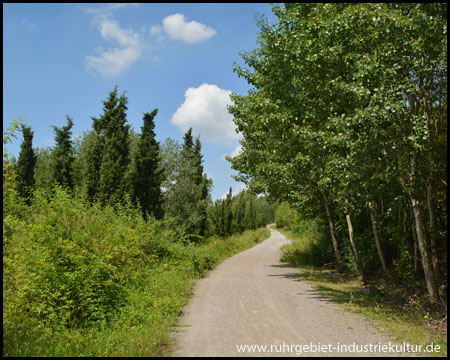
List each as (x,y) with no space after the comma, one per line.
(203,185)
(62,156)
(250,216)
(188,197)
(26,165)
(91,153)
(228,214)
(240,212)
(108,156)
(146,176)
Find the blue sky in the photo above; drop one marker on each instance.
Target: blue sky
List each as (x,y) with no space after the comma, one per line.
(63,59)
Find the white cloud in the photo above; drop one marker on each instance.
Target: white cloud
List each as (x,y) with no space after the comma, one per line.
(110,30)
(190,32)
(155,30)
(107,9)
(205,110)
(114,61)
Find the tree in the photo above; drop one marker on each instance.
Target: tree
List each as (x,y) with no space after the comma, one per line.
(204,186)
(169,164)
(239,213)
(108,153)
(9,175)
(250,216)
(25,165)
(42,173)
(346,100)
(146,176)
(91,152)
(228,214)
(188,197)
(62,156)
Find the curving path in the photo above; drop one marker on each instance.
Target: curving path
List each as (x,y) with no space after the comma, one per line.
(253,299)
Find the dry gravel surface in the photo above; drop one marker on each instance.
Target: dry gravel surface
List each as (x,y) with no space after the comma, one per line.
(253,299)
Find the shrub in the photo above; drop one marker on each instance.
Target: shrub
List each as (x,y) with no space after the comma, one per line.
(312,248)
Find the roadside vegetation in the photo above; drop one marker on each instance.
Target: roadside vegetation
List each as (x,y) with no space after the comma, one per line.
(83,280)
(393,306)
(104,234)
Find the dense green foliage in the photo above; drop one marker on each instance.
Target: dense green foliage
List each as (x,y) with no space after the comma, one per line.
(102,237)
(346,121)
(25,164)
(112,132)
(188,197)
(62,156)
(95,280)
(235,214)
(146,177)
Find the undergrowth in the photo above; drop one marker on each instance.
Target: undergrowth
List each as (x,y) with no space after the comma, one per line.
(82,280)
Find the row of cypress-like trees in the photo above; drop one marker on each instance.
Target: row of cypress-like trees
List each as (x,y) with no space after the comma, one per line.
(111,164)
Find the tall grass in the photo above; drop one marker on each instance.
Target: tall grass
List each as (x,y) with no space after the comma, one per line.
(82,280)
(310,245)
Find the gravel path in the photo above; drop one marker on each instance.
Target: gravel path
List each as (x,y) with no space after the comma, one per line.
(253,299)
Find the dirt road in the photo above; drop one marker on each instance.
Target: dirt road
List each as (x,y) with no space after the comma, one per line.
(253,299)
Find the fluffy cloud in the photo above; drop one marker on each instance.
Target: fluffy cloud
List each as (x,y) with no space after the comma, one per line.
(205,110)
(190,32)
(114,61)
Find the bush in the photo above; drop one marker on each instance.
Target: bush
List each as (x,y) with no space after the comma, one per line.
(312,248)
(284,216)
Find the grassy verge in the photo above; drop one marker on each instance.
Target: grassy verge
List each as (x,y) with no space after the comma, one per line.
(395,312)
(92,281)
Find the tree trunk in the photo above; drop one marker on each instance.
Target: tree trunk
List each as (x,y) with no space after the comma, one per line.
(355,250)
(426,263)
(333,234)
(432,219)
(422,242)
(416,249)
(377,238)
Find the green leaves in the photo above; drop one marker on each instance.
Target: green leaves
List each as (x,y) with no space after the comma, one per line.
(348,100)
(187,198)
